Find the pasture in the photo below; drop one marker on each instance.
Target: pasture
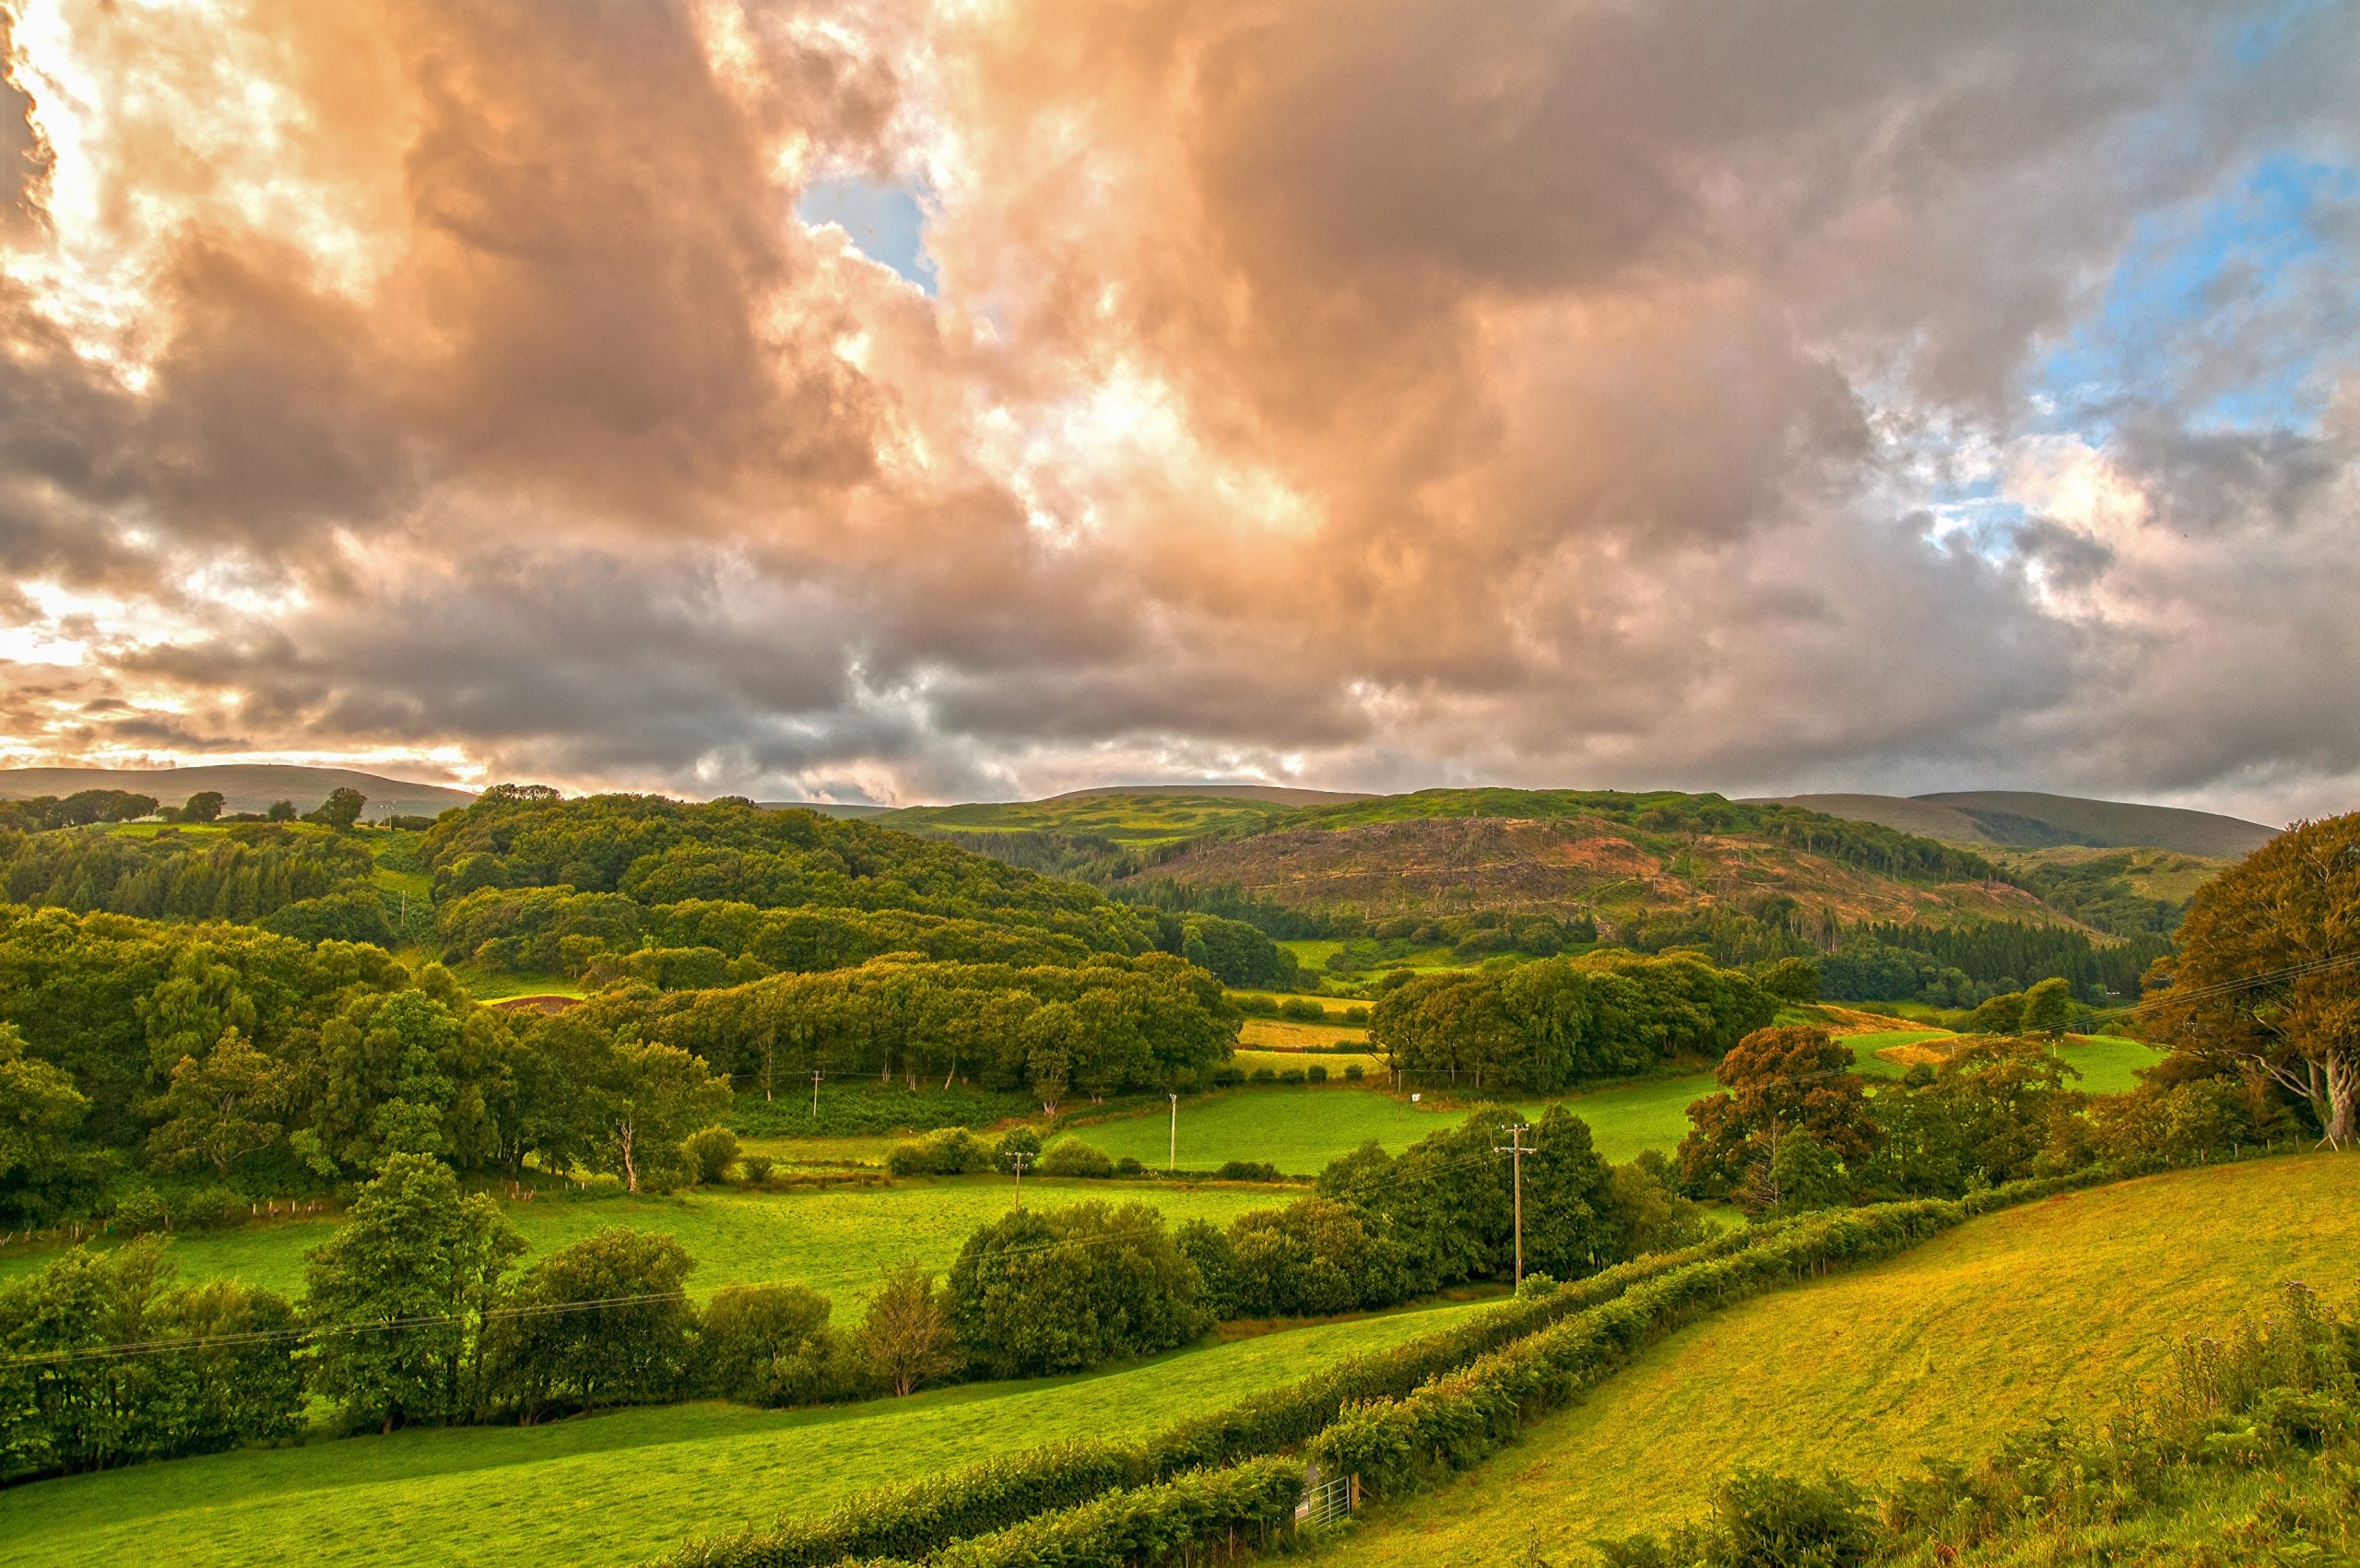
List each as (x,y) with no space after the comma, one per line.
(835,1241)
(618,1488)
(1299,1130)
(2032,1311)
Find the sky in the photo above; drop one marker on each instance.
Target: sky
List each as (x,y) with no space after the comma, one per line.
(908,402)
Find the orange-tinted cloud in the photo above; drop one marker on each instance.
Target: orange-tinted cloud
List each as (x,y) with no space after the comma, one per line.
(1388,392)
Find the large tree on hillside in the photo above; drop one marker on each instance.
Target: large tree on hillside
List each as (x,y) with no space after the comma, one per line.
(2268,973)
(1778,1082)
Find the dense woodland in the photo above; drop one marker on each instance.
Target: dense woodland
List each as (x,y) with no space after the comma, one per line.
(1557,1023)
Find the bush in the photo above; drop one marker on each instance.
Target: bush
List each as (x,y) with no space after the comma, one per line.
(1128,1165)
(1228,1076)
(1354,1072)
(1263,1075)
(1248,1171)
(596,1185)
(954,1151)
(632,1349)
(1257,1007)
(771,1345)
(207,1207)
(756,1169)
(1315,1073)
(1038,1294)
(710,1151)
(1071,1157)
(142,1210)
(1357,1013)
(1015,1141)
(1302,1009)
(88,1412)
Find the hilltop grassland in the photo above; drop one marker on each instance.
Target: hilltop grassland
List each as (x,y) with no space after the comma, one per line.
(2032,1311)
(622,1487)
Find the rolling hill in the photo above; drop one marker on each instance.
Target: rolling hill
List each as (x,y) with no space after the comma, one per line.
(251,786)
(2025,819)
(1611,854)
(1945,1350)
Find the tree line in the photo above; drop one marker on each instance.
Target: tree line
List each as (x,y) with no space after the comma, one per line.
(1549,1025)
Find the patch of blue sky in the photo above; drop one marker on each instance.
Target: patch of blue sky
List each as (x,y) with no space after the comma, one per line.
(886,220)
(1973,516)
(2217,309)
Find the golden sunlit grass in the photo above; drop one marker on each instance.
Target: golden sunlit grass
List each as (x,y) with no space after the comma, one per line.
(2036,1311)
(1285,1033)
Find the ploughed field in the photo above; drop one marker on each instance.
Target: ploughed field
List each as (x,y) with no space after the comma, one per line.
(2032,1311)
(620,1487)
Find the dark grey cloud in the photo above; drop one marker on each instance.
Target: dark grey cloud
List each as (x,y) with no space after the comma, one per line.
(1546,394)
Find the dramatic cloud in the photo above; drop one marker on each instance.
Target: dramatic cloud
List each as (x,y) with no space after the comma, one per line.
(1806,393)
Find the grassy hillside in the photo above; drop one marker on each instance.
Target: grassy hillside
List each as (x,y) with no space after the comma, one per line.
(618,1488)
(1618,855)
(1944,1350)
(836,1240)
(243,787)
(2027,819)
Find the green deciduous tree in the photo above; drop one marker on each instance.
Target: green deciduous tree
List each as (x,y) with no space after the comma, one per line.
(646,1099)
(204,806)
(220,1107)
(605,1320)
(908,1335)
(1037,1294)
(39,1110)
(2049,1008)
(772,1345)
(1776,1081)
(2268,973)
(400,1293)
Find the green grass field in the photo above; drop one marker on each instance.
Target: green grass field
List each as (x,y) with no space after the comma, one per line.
(834,1241)
(1285,1034)
(1299,1130)
(615,1489)
(2036,1311)
(2108,1064)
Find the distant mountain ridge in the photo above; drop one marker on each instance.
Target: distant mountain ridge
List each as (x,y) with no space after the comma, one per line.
(2029,819)
(243,787)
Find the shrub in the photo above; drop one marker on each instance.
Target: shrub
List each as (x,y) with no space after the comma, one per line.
(708,1151)
(1015,1141)
(1264,1075)
(1071,1157)
(954,1151)
(771,1345)
(208,1206)
(1257,1007)
(756,1169)
(632,1348)
(1302,1009)
(1228,1076)
(1248,1171)
(1354,1072)
(1128,1165)
(596,1185)
(1357,1013)
(1316,1072)
(1037,1294)
(140,1211)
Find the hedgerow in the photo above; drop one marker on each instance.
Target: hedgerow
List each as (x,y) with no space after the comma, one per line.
(915,1517)
(1397,1444)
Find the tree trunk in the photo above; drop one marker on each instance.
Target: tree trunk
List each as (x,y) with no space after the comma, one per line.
(2342,1102)
(631,1166)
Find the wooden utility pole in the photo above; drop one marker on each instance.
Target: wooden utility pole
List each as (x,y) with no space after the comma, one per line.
(1516,1150)
(1171,1157)
(1019,1160)
(816,1076)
